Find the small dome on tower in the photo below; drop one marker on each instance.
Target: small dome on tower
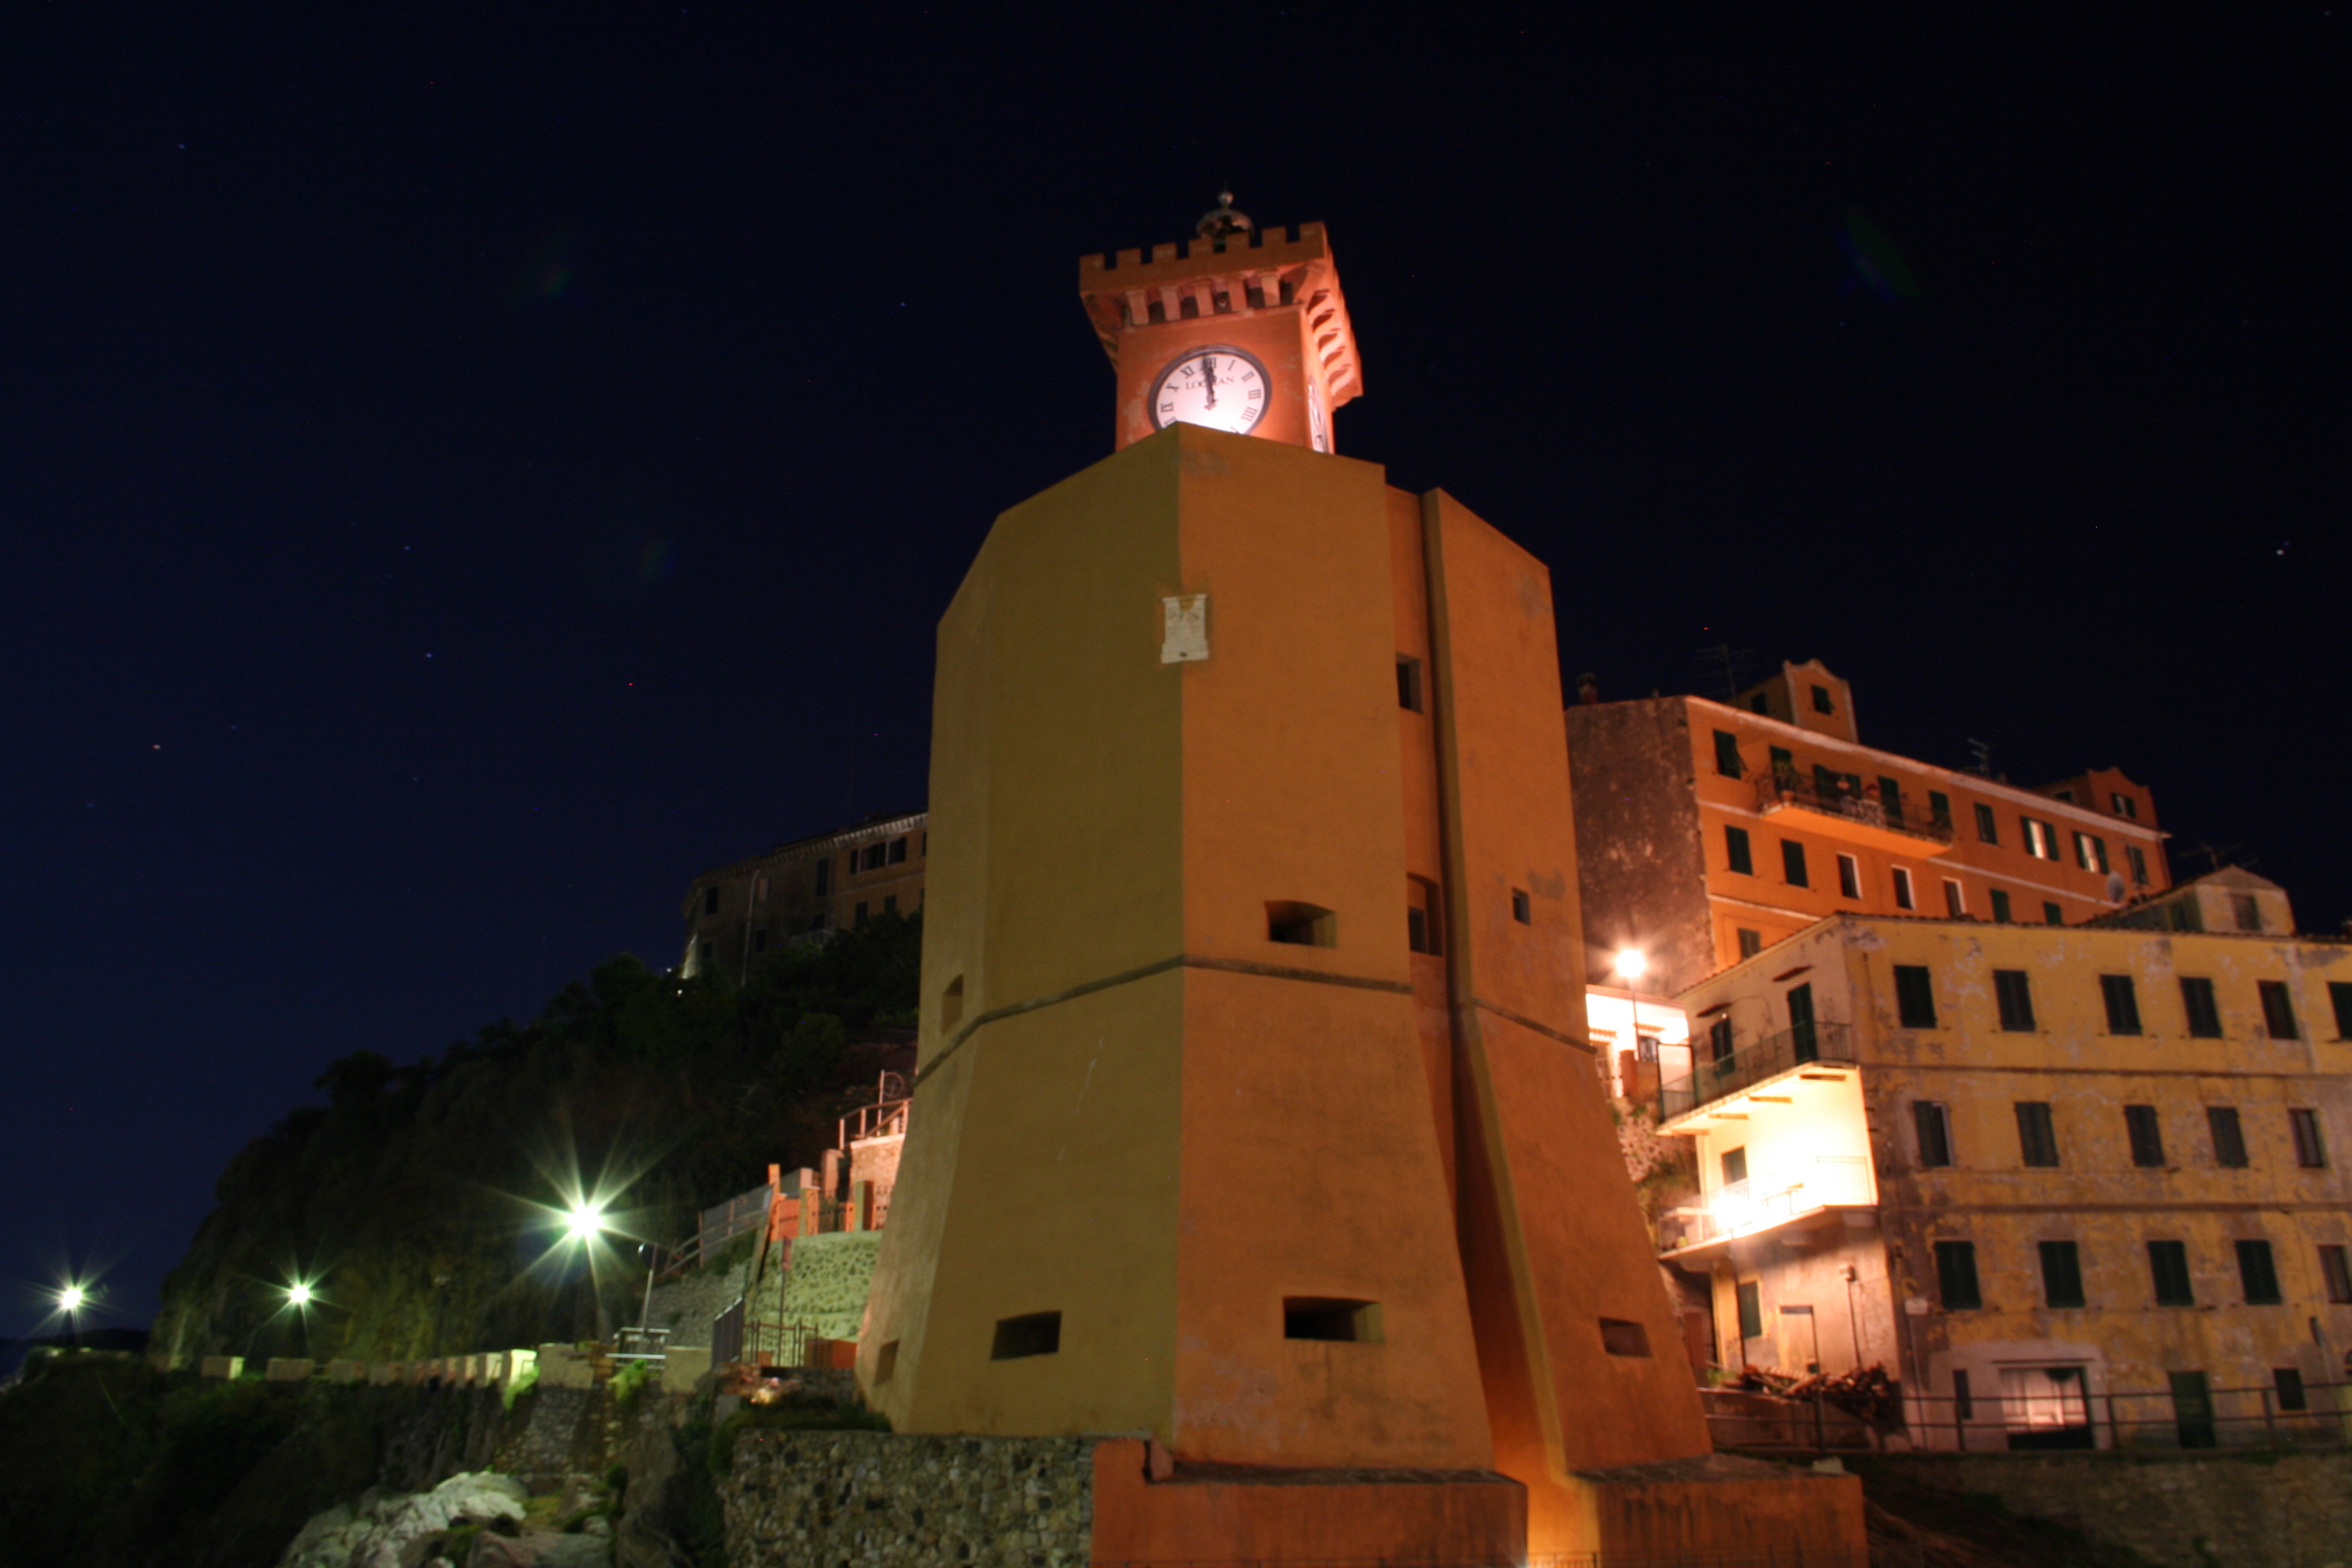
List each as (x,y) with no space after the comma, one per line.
(1224,222)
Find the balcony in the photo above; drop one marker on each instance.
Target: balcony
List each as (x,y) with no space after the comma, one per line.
(1858,818)
(1788,1191)
(1769,1058)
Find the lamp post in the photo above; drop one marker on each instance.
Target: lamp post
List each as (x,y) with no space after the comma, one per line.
(1630,964)
(583,1224)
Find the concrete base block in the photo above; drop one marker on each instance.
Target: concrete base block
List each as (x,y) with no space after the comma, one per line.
(684,1367)
(288,1368)
(346,1371)
(522,1364)
(563,1366)
(384,1373)
(222,1366)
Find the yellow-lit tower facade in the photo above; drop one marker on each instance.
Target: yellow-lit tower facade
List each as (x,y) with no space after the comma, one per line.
(1256,1109)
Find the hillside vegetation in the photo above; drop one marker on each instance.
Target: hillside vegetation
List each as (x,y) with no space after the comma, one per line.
(423,1202)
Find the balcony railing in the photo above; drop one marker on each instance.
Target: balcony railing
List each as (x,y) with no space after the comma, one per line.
(1775,789)
(1708,1081)
(1759,1202)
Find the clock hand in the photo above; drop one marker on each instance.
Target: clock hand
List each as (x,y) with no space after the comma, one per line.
(1209,375)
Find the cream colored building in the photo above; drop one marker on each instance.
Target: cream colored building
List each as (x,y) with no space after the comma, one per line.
(2028,1168)
(829,881)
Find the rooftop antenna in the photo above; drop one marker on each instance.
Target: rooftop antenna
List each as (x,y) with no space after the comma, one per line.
(2215,857)
(1983,752)
(1727,659)
(1222,222)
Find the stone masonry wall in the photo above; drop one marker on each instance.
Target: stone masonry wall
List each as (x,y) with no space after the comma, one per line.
(798,1498)
(2201,1510)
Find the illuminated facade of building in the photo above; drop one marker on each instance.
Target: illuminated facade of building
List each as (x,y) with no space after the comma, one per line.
(2032,1168)
(1714,830)
(829,881)
(1252,950)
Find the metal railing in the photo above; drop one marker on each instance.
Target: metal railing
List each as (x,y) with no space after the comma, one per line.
(716,1227)
(1760,1557)
(1790,1188)
(2141,1422)
(881,1120)
(1708,1081)
(1776,790)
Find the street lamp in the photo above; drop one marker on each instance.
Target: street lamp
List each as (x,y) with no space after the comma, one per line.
(298,1295)
(1629,964)
(584,1222)
(70,1299)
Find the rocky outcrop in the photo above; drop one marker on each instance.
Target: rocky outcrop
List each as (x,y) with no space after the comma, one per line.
(403,1529)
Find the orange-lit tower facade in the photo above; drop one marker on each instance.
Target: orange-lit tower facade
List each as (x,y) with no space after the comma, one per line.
(1258,1113)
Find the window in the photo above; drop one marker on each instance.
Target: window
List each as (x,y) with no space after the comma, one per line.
(2137,861)
(2123,803)
(2147,1136)
(1420,932)
(2310,1151)
(2090,852)
(2123,1004)
(1521,909)
(898,852)
(1954,904)
(1751,1310)
(759,942)
(1850,877)
(2278,1010)
(2041,838)
(1902,899)
(1803,1042)
(1409,698)
(1934,1126)
(1328,1319)
(889,903)
(1956,1276)
(1988,825)
(1890,798)
(1036,1333)
(2037,1138)
(1821,700)
(1735,1166)
(2001,906)
(2014,995)
(1751,942)
(2061,1274)
(2245,912)
(1761,704)
(2336,1272)
(1301,925)
(1719,1038)
(1618,1337)
(819,921)
(1793,863)
(858,917)
(1727,754)
(2258,1273)
(1736,851)
(824,877)
(709,901)
(2204,1013)
(1784,761)
(1939,807)
(2052,915)
(2192,1408)
(2168,1266)
(708,954)
(2228,1137)
(2339,997)
(1964,1404)
(1914,996)
(2288,1381)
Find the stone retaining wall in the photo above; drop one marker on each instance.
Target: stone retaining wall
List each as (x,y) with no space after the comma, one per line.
(2183,1511)
(797,1498)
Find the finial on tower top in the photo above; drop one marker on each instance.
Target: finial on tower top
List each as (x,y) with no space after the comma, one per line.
(1224,222)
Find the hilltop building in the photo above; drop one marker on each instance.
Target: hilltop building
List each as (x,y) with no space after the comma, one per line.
(1254,939)
(2078,1184)
(1714,830)
(825,882)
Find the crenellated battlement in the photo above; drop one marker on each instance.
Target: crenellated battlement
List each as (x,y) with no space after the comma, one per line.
(1281,246)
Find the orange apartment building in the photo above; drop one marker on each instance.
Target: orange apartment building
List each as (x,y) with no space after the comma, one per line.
(1712,830)
(828,881)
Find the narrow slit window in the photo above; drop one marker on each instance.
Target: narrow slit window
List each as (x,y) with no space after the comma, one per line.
(1621,1337)
(1301,925)
(1522,910)
(1033,1333)
(1408,683)
(1330,1319)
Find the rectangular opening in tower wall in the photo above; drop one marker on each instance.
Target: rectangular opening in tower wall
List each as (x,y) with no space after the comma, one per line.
(1330,1319)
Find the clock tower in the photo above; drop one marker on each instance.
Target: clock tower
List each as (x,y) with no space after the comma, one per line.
(1237,330)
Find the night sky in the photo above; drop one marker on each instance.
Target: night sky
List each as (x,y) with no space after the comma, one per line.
(461,476)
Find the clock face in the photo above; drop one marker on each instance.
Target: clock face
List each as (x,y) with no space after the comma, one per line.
(1318,427)
(1223,389)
